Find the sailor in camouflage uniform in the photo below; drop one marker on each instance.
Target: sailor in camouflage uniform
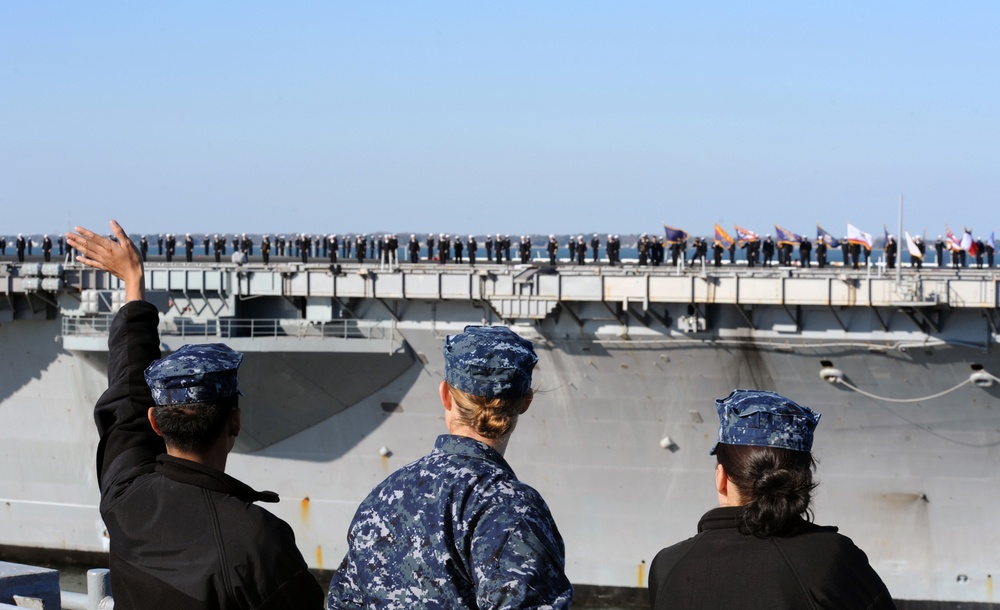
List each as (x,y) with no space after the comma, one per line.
(456,529)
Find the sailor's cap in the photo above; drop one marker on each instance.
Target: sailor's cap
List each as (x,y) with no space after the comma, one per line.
(489,361)
(765,419)
(195,373)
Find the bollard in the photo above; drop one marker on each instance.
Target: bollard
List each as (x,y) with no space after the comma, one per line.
(98,596)
(99,589)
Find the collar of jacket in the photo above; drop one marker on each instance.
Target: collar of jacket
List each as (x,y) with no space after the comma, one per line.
(470,447)
(726,517)
(723,517)
(199,475)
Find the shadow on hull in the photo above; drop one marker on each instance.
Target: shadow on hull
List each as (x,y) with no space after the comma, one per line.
(286,392)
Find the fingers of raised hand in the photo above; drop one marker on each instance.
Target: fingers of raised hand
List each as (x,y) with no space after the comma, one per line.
(91,246)
(119,232)
(88,246)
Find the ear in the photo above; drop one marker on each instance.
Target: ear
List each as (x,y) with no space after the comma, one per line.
(721,480)
(446,400)
(152,422)
(526,403)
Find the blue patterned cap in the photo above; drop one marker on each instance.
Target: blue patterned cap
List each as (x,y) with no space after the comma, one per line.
(765,419)
(195,373)
(489,361)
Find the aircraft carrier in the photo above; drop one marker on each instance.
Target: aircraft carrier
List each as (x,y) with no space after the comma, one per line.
(343,361)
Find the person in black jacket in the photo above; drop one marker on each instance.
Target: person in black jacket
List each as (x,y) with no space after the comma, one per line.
(759,548)
(890,252)
(472,248)
(183,534)
(768,250)
(856,255)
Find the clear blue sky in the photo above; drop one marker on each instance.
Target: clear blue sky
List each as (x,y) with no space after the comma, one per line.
(519,117)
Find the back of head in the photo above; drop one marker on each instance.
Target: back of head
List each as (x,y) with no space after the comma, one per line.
(765,444)
(777,485)
(194,427)
(488,371)
(195,390)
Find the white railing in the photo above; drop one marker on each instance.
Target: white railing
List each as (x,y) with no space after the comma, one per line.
(229,328)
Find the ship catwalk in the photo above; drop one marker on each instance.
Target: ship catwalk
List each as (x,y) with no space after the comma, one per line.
(630,361)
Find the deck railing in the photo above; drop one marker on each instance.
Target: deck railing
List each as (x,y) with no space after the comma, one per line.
(229,328)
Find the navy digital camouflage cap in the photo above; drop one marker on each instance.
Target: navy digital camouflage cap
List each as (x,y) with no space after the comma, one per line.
(195,373)
(489,361)
(765,419)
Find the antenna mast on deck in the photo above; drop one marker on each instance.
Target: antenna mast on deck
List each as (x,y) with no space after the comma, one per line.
(899,242)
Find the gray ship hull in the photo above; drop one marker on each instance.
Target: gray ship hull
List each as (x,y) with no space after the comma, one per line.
(616,441)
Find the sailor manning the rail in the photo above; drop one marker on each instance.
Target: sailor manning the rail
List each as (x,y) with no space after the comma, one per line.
(183,534)
(456,528)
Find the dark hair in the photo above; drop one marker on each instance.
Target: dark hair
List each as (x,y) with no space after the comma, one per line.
(778,484)
(194,426)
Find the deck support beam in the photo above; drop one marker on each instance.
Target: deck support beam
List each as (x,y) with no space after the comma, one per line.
(638,316)
(564,306)
(746,317)
(879,318)
(836,317)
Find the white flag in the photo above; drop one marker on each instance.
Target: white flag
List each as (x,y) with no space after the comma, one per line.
(912,247)
(966,241)
(857,236)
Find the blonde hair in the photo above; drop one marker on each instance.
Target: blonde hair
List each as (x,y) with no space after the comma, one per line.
(490,417)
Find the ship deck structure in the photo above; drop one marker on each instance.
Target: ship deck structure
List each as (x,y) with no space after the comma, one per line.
(343,361)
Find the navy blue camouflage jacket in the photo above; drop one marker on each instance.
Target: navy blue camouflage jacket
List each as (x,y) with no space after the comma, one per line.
(455,529)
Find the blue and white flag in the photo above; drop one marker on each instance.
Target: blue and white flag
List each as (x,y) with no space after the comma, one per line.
(674,235)
(787,237)
(830,240)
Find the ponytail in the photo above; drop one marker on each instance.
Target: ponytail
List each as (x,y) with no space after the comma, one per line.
(490,417)
(778,484)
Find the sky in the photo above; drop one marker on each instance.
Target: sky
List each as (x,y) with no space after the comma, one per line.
(515,117)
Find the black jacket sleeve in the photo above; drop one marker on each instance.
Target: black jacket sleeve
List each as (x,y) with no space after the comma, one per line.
(302,592)
(128,446)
